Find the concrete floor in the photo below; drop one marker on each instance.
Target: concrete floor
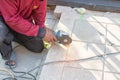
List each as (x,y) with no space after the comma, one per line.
(95,34)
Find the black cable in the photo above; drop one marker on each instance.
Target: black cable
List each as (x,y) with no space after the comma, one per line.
(78,60)
(56,62)
(9,78)
(34,78)
(21,77)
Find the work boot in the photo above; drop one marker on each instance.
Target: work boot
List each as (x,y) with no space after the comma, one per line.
(11,63)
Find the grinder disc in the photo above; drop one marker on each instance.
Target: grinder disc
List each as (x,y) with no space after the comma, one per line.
(65,40)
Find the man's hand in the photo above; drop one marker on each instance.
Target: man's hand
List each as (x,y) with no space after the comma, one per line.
(49,36)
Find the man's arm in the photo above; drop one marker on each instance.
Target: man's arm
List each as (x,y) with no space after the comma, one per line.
(39,13)
(15,21)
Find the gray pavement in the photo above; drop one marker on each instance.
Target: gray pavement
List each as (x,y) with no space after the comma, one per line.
(96,33)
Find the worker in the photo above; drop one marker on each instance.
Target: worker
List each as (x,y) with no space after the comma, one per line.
(23,21)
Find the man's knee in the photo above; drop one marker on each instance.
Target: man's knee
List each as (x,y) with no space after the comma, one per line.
(37,50)
(35,45)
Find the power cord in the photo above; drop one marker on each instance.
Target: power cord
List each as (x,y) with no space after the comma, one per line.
(66,61)
(10,74)
(77,60)
(9,78)
(19,72)
(48,63)
(57,62)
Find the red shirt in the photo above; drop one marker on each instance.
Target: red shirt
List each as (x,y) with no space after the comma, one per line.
(18,14)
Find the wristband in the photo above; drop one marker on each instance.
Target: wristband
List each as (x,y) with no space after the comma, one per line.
(41,33)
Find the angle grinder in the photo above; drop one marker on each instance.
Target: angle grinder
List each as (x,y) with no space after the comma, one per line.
(62,38)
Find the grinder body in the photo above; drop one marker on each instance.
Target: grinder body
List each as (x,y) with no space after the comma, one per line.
(63,37)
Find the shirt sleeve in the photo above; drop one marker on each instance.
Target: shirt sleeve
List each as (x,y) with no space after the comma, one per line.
(39,14)
(13,19)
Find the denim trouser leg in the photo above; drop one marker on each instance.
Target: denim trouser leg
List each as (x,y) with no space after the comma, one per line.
(5,40)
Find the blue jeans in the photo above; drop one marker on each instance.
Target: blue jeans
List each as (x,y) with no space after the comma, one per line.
(7,35)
